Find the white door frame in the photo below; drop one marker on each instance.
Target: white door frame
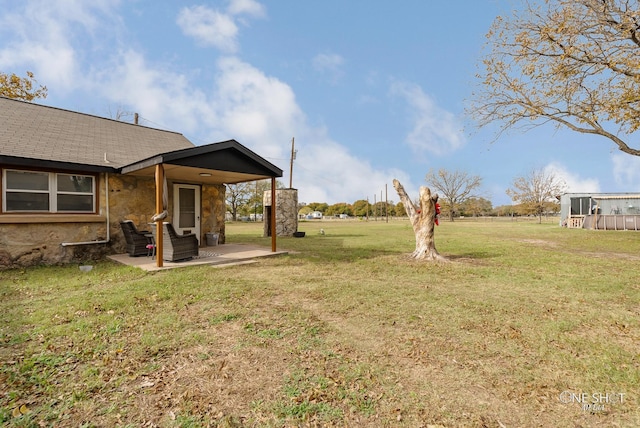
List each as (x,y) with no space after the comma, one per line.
(190,224)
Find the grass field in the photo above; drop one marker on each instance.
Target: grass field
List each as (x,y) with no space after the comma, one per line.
(527,325)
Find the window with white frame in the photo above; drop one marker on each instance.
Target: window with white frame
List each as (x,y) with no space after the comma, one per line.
(37,191)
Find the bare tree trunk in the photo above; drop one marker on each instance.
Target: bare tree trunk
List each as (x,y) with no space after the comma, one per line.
(423,221)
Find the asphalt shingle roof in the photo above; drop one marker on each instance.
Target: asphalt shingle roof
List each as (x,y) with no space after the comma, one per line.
(40,132)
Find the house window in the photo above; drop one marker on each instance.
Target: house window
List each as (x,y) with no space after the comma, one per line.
(34,191)
(581,206)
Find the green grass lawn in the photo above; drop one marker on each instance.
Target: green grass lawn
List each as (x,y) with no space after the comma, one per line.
(527,325)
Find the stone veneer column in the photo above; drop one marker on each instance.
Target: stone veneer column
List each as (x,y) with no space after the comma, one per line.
(286,211)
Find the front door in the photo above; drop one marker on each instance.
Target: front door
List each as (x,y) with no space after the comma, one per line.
(186,209)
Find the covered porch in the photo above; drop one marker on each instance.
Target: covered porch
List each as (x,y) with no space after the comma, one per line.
(192,170)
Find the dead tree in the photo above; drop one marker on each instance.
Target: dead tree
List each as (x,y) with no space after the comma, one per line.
(423,220)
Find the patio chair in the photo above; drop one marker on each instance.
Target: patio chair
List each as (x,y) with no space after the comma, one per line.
(136,240)
(178,247)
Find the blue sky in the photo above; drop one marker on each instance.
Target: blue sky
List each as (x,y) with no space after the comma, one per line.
(371,90)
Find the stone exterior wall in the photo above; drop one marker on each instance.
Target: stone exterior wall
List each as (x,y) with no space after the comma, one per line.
(130,198)
(213,211)
(286,211)
(25,243)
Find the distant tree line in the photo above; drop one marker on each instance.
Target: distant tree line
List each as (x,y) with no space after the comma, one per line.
(359,208)
(251,205)
(536,193)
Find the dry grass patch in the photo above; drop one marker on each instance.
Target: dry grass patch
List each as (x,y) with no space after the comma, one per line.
(345,331)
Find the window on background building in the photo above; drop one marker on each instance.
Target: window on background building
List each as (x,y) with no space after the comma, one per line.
(35,191)
(581,206)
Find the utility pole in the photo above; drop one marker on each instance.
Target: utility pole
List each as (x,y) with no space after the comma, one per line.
(293,156)
(386,202)
(367,208)
(375,208)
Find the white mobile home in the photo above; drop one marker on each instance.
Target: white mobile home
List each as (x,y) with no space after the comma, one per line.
(602,211)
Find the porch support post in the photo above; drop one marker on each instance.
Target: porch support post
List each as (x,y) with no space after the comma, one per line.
(159,209)
(273,214)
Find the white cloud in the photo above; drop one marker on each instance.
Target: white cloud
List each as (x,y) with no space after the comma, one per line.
(36,37)
(329,63)
(626,170)
(246,7)
(435,130)
(164,96)
(209,27)
(325,171)
(261,112)
(574,182)
(254,107)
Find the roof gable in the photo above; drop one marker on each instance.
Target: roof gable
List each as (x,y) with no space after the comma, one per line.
(231,161)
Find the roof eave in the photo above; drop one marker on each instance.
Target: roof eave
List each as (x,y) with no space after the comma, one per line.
(49,164)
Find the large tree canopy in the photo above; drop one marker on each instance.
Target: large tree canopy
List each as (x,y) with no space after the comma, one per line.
(572,62)
(537,190)
(455,186)
(21,88)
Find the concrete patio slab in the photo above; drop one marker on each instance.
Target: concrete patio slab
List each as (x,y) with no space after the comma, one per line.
(217,256)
